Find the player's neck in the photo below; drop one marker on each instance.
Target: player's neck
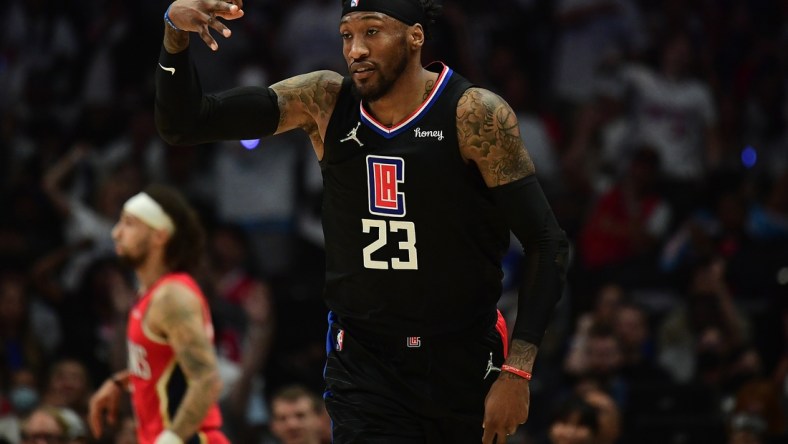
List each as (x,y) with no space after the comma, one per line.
(149,272)
(405,96)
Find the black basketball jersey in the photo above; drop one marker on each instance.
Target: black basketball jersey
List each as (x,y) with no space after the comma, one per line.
(413,240)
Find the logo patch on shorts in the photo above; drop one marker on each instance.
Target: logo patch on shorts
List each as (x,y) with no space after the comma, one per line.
(340,339)
(414,341)
(384,175)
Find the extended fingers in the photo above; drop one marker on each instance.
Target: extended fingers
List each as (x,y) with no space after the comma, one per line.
(218,26)
(206,37)
(228,10)
(208,22)
(494,437)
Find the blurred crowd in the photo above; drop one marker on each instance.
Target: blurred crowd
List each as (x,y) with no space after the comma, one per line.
(659,130)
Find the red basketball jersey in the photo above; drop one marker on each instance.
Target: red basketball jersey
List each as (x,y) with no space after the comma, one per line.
(157,383)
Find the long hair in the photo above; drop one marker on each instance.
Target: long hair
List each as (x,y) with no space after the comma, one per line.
(184,250)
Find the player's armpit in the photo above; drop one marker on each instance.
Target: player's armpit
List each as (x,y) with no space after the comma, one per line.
(489,136)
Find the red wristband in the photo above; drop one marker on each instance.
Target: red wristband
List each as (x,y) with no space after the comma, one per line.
(516,371)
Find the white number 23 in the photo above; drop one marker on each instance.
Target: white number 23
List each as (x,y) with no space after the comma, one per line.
(408,245)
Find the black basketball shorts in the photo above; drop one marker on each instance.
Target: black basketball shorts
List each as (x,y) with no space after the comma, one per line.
(400,390)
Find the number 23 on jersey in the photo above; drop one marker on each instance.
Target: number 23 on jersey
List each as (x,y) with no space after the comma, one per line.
(384,175)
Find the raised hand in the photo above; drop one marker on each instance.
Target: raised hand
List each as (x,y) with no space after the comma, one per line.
(200,16)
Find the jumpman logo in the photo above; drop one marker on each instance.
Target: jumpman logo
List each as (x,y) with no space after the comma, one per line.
(491,367)
(352,135)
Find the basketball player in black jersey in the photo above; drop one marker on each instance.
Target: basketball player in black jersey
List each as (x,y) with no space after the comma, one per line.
(425,175)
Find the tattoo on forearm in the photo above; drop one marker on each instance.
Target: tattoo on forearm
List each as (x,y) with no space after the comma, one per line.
(488,129)
(522,355)
(196,360)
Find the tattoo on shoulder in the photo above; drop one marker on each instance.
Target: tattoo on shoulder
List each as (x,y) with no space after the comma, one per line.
(313,94)
(489,135)
(185,330)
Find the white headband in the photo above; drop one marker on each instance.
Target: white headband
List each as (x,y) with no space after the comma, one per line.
(149,211)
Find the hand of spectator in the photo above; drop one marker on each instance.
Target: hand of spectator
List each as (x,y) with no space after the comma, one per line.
(200,16)
(257,304)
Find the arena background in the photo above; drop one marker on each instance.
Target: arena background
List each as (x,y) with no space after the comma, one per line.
(658,130)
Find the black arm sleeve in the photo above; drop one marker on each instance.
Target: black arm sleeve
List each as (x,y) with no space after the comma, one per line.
(530,218)
(185,116)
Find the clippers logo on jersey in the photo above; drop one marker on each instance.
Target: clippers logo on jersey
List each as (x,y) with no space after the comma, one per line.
(340,340)
(384,174)
(414,341)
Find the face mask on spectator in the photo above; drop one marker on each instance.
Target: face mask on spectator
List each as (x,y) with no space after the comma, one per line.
(23,398)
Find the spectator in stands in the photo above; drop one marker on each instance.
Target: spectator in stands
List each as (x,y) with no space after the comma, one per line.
(627,223)
(89,210)
(608,415)
(44,425)
(576,422)
(697,335)
(602,364)
(296,416)
(638,347)
(608,300)
(95,317)
(22,339)
(68,386)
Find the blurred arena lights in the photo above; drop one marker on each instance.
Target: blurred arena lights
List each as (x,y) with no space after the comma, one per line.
(251,144)
(749,156)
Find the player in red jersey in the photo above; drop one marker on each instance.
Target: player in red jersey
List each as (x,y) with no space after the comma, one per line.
(172,371)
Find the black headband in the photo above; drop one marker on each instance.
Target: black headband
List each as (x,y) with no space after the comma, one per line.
(409,12)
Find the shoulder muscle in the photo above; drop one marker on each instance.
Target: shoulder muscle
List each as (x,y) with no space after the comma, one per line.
(175,307)
(489,136)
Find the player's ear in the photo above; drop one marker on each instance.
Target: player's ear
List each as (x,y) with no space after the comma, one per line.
(161,236)
(416,36)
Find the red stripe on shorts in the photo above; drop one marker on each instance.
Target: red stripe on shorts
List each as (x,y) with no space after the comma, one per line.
(500,325)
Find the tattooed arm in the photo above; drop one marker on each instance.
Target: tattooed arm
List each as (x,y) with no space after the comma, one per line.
(176,315)
(489,136)
(306,101)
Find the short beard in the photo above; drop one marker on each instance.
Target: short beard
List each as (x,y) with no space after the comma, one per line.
(385,83)
(130,261)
